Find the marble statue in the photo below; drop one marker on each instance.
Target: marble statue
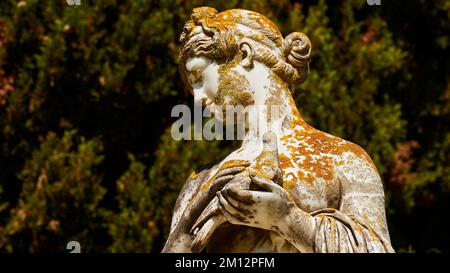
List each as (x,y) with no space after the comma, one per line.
(289,187)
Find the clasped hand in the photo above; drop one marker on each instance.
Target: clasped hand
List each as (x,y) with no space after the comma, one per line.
(264,209)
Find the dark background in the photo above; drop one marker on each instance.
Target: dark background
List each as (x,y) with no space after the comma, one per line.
(86,93)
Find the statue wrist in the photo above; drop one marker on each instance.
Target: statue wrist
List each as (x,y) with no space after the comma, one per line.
(298,227)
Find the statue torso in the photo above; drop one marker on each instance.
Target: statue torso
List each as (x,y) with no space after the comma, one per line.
(310,177)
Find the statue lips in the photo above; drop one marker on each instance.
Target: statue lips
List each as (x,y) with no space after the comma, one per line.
(265,165)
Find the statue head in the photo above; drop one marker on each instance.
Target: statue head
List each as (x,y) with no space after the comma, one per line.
(224,54)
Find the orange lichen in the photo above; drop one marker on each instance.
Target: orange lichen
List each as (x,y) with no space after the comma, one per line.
(227,20)
(193,175)
(314,153)
(285,161)
(207,16)
(265,166)
(233,17)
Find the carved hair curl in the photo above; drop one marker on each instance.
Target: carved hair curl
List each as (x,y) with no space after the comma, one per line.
(219,35)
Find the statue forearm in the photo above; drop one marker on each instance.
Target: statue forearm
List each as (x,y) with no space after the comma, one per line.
(298,227)
(331,230)
(178,243)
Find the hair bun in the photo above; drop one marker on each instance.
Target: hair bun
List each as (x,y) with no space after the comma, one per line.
(297,50)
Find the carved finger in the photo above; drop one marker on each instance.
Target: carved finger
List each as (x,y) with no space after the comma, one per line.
(230,200)
(224,176)
(244,196)
(205,233)
(210,210)
(268,185)
(262,182)
(239,209)
(240,181)
(219,183)
(229,217)
(235,163)
(225,204)
(230,171)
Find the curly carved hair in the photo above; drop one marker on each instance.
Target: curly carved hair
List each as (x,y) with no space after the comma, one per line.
(218,36)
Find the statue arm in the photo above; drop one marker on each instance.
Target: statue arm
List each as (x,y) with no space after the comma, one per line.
(179,240)
(358,225)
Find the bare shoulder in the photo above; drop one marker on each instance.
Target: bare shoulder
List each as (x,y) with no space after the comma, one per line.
(355,167)
(345,152)
(312,155)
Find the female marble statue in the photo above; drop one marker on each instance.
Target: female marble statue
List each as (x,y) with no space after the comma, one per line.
(324,194)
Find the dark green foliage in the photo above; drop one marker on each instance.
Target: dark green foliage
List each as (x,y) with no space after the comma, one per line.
(86,93)
(61,190)
(134,227)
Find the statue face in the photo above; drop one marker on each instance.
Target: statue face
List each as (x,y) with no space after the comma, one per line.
(220,85)
(203,75)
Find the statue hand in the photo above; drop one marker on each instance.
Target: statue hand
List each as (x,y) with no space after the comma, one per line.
(207,199)
(212,209)
(180,237)
(259,209)
(226,173)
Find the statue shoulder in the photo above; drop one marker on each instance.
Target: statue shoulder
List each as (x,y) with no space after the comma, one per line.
(357,167)
(358,156)
(189,189)
(345,150)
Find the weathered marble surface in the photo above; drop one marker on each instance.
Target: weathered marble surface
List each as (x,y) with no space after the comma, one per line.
(290,188)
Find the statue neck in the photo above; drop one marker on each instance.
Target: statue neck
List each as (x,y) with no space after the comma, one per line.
(275,111)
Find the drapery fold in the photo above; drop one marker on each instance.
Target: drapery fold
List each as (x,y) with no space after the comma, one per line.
(337,232)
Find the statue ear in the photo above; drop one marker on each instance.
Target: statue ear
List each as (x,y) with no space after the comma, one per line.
(247,55)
